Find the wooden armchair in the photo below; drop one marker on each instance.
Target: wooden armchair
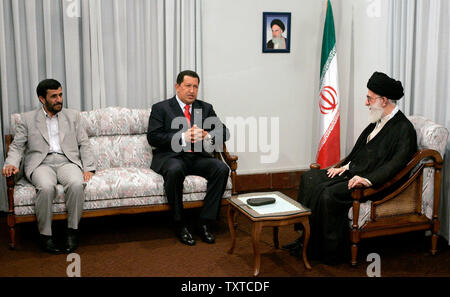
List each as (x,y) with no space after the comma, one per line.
(400,209)
(410,200)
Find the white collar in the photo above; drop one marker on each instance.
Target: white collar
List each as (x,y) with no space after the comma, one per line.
(182,104)
(389,116)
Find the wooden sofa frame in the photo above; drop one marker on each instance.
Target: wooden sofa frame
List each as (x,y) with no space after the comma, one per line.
(12,219)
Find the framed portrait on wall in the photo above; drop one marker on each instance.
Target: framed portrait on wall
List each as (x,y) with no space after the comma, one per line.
(276,32)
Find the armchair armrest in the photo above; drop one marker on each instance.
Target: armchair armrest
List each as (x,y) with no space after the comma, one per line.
(421,159)
(317,165)
(358,193)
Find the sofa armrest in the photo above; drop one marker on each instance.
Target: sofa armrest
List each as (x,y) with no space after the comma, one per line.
(10,181)
(231,161)
(10,184)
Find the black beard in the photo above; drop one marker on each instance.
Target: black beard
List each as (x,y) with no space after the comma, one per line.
(51,108)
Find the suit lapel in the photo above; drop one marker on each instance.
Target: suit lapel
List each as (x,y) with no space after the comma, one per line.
(177,110)
(41,124)
(62,126)
(176,107)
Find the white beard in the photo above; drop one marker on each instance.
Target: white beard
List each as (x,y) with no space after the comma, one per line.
(375,112)
(279,43)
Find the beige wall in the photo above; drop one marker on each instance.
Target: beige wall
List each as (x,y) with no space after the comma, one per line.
(241,81)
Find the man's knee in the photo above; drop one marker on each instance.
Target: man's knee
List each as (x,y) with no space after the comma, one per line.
(46,192)
(75,185)
(46,188)
(223,169)
(309,175)
(175,171)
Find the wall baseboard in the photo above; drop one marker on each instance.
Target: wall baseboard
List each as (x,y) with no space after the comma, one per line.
(268,181)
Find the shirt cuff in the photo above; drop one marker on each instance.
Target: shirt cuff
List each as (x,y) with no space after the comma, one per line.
(183,142)
(347,166)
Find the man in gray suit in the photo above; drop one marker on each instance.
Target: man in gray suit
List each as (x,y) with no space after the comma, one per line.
(55,149)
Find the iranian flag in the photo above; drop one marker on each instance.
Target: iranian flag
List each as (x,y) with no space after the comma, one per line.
(328,152)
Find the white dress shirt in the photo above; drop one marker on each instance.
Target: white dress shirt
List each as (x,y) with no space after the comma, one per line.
(182,105)
(53,133)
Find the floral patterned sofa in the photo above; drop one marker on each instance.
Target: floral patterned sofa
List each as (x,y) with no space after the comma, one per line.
(123,182)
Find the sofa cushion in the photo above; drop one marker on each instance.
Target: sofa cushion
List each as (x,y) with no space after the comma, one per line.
(114,203)
(115,183)
(121,151)
(115,121)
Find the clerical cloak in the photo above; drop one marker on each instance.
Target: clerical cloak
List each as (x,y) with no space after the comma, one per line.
(329,198)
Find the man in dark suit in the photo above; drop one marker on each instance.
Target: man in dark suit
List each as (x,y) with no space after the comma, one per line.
(183,132)
(381,151)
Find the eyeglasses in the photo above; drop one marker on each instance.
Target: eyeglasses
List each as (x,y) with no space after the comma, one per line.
(371,99)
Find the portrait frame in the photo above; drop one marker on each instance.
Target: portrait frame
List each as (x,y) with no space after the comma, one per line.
(267,44)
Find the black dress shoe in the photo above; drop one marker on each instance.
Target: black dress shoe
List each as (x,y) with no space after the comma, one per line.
(48,245)
(205,235)
(71,241)
(294,245)
(185,237)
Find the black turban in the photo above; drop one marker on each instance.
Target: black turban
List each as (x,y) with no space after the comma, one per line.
(385,86)
(278,23)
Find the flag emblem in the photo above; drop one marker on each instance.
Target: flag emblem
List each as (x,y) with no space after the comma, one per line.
(328,101)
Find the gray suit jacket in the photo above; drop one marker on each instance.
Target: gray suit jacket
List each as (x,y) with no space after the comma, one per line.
(32,141)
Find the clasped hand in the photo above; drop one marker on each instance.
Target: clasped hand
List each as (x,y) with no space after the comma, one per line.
(194,134)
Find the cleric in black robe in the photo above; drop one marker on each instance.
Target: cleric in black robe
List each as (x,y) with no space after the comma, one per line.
(382,150)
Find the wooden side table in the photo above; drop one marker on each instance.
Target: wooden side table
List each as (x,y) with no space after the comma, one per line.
(297,214)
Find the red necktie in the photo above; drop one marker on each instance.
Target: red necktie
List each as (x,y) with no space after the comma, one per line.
(187,114)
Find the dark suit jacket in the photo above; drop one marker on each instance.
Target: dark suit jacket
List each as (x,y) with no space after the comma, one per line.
(167,122)
(387,153)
